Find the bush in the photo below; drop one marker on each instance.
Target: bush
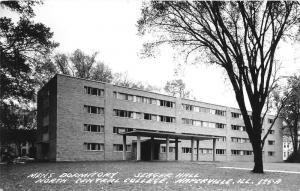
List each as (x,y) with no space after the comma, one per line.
(294,157)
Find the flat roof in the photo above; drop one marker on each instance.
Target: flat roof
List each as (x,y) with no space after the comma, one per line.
(172,135)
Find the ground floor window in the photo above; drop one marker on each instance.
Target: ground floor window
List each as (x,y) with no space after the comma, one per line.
(186,150)
(94,146)
(271,153)
(205,151)
(119,147)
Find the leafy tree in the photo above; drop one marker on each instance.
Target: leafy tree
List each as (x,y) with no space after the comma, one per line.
(241,37)
(177,88)
(122,79)
(291,113)
(83,63)
(101,72)
(19,44)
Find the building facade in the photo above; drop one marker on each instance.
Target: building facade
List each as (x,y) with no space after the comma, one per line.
(85,120)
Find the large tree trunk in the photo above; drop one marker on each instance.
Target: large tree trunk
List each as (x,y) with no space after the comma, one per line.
(258,160)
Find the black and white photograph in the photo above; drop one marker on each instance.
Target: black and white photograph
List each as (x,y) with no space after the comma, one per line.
(144,95)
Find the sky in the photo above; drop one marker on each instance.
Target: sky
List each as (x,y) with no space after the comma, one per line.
(109,27)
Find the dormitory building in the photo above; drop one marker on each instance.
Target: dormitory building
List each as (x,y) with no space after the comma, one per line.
(86,120)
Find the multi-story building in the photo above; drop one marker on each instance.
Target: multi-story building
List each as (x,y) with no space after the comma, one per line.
(80,119)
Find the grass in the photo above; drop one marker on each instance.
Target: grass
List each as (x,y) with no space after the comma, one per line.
(15,177)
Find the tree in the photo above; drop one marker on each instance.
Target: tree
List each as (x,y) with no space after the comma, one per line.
(83,63)
(177,88)
(121,79)
(19,44)
(241,37)
(291,113)
(101,72)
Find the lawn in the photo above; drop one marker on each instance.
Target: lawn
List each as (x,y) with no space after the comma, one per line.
(131,175)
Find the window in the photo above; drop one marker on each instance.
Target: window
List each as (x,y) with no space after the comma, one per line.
(220,112)
(220,125)
(138,115)
(235,152)
(93,109)
(238,128)
(186,150)
(271,142)
(162,149)
(171,149)
(187,107)
(46,120)
(220,151)
(271,132)
(240,140)
(119,148)
(123,113)
(94,128)
(93,91)
(187,121)
(236,115)
(221,139)
(271,153)
(270,120)
(166,119)
(94,146)
(121,129)
(166,103)
(147,116)
(248,152)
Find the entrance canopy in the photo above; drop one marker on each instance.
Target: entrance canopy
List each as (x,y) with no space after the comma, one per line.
(171,135)
(167,135)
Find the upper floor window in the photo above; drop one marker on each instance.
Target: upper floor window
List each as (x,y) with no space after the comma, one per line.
(165,103)
(167,119)
(94,109)
(121,129)
(238,127)
(271,132)
(220,151)
(271,142)
(220,125)
(270,120)
(94,128)
(236,115)
(221,139)
(93,91)
(123,113)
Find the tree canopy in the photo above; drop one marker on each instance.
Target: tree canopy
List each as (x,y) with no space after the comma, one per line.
(241,37)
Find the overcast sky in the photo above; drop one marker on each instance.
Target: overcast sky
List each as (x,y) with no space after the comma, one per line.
(109,27)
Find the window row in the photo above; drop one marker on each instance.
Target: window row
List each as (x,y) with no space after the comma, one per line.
(238,128)
(100,147)
(240,140)
(93,91)
(203,123)
(203,151)
(241,152)
(142,99)
(145,116)
(94,109)
(203,109)
(93,128)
